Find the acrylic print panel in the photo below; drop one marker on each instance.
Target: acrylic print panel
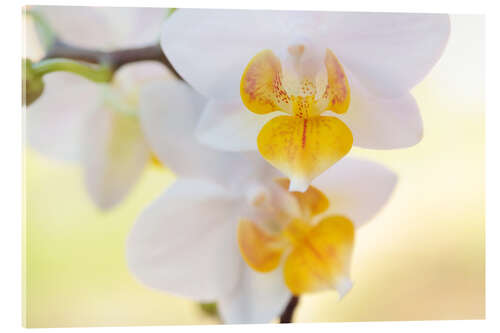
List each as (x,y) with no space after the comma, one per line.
(198,166)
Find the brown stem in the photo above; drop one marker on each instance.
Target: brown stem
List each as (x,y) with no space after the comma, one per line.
(287,315)
(115,59)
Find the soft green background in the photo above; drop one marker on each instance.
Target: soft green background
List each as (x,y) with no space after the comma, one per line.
(421,258)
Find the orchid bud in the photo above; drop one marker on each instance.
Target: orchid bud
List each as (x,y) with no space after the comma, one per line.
(32,84)
(209,308)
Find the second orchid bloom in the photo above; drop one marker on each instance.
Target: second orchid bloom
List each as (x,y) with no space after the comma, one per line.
(243,240)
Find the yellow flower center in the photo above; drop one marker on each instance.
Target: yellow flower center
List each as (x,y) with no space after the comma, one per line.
(303,143)
(317,255)
(296,231)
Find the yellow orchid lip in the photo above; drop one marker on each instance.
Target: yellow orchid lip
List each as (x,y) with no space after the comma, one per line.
(303,148)
(303,143)
(316,256)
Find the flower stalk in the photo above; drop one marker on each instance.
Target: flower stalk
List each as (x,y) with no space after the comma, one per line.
(113,59)
(97,74)
(81,61)
(287,315)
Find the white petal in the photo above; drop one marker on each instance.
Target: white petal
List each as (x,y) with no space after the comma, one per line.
(257,298)
(55,121)
(169,113)
(185,242)
(388,53)
(343,286)
(382,123)
(357,189)
(104,28)
(229,126)
(136,27)
(32,45)
(249,170)
(80,26)
(211,48)
(131,75)
(114,155)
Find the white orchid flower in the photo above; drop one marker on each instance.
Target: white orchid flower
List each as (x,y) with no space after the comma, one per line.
(228,230)
(98,125)
(303,87)
(251,245)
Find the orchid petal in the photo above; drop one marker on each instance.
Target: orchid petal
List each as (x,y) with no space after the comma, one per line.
(388,52)
(33,47)
(169,111)
(191,38)
(55,121)
(133,75)
(343,286)
(257,298)
(261,86)
(321,258)
(144,28)
(357,189)
(260,250)
(229,126)
(79,26)
(185,242)
(104,28)
(382,123)
(337,91)
(114,154)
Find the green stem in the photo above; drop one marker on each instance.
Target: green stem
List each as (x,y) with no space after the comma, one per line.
(170,11)
(97,74)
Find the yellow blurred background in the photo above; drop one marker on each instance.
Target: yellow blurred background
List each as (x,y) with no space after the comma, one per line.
(421,258)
